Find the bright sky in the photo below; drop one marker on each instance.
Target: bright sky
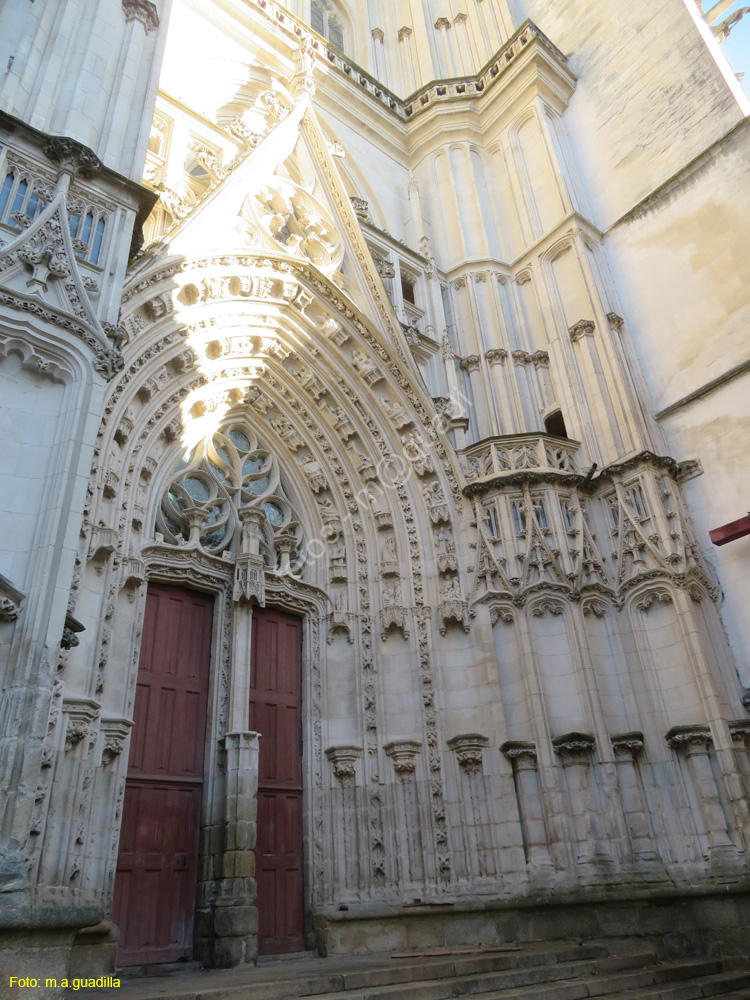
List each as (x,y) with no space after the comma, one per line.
(737,46)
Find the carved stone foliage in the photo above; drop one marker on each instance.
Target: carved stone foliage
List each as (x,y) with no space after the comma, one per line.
(143,11)
(114,735)
(574,747)
(404,755)
(627,745)
(344,761)
(10,600)
(690,738)
(469,750)
(520,752)
(80,714)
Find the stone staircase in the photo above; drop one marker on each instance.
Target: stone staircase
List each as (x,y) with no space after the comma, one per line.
(542,973)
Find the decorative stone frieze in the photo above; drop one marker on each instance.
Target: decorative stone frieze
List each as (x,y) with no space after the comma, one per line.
(469,750)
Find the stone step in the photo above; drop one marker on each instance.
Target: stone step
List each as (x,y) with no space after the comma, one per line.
(429,977)
(570,981)
(723,984)
(726,984)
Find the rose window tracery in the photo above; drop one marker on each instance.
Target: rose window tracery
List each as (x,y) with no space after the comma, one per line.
(228,475)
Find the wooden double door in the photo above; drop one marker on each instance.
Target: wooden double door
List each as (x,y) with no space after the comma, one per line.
(157,868)
(276,713)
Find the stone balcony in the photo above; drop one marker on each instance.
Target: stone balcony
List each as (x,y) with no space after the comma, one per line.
(518,457)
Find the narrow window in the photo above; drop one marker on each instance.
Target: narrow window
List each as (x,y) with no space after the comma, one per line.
(335,33)
(98,237)
(555,424)
(23,187)
(491,521)
(75,225)
(88,225)
(519,517)
(5,192)
(407,290)
(317,18)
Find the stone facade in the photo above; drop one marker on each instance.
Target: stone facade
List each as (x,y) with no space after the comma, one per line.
(430,339)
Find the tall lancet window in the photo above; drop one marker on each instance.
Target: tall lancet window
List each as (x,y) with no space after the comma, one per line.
(325,19)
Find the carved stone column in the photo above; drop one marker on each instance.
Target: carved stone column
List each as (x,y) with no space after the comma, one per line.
(523,757)
(344,818)
(233,937)
(695,744)
(627,747)
(469,750)
(404,754)
(575,751)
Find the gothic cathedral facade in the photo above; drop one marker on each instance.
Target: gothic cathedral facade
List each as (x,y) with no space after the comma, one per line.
(372,375)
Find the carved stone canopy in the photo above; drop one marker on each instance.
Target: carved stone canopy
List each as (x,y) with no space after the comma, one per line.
(403,753)
(468,748)
(583,328)
(574,747)
(627,745)
(520,752)
(344,761)
(696,739)
(69,636)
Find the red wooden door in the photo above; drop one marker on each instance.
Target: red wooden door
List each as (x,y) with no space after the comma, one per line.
(275,713)
(157,867)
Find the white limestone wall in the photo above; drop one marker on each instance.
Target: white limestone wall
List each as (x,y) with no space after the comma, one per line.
(87,70)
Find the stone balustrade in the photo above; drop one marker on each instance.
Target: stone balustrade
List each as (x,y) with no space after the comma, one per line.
(513,454)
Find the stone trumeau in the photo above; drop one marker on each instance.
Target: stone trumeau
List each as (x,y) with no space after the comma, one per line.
(365,494)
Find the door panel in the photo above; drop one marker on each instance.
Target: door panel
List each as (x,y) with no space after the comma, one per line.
(157,868)
(275,712)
